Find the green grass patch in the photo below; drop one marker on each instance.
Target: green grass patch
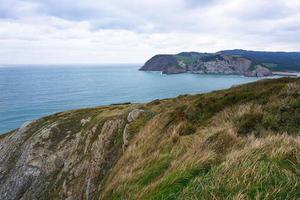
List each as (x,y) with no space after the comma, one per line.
(172,185)
(154,169)
(283,118)
(249,123)
(259,176)
(187,59)
(187,129)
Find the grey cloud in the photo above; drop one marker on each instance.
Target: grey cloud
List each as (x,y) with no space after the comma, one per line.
(149,25)
(126,14)
(8,9)
(262,10)
(145,17)
(67,9)
(14,9)
(200,3)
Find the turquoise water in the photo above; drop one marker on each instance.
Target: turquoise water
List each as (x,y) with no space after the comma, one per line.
(30,92)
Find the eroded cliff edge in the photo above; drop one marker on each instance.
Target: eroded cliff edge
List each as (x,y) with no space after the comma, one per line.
(237,143)
(206,63)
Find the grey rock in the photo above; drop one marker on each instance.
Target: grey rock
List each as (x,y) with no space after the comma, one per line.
(159,63)
(134,114)
(259,71)
(174,70)
(33,159)
(205,64)
(126,135)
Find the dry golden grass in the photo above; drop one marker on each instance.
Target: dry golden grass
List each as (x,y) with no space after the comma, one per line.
(240,143)
(162,163)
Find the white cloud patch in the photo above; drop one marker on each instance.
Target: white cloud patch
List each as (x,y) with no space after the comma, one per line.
(100,31)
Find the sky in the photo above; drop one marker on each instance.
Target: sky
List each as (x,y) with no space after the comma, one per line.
(131,31)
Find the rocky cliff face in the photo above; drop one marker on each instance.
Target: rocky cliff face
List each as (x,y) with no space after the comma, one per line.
(160,63)
(64,156)
(259,71)
(277,61)
(237,143)
(205,64)
(221,64)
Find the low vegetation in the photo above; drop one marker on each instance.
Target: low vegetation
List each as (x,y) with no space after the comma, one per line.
(239,143)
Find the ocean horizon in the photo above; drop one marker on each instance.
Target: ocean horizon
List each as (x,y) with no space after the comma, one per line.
(29,92)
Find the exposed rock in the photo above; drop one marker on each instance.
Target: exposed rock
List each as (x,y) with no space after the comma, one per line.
(281,61)
(84,121)
(59,162)
(125,137)
(134,114)
(39,162)
(205,64)
(259,71)
(221,64)
(160,63)
(174,70)
(119,152)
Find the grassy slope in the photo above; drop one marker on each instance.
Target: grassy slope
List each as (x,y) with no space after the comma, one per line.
(241,143)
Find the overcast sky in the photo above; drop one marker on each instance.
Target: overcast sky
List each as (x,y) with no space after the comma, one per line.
(131,31)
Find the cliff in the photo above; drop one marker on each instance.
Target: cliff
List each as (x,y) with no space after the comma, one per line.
(239,143)
(276,61)
(224,62)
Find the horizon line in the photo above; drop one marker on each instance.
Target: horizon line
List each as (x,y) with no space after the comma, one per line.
(65,64)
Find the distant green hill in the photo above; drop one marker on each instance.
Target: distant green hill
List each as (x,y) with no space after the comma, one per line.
(280,61)
(206,63)
(238,62)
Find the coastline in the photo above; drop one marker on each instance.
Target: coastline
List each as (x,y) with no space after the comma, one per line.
(274,73)
(286,74)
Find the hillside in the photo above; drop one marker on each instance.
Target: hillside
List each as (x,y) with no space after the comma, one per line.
(278,61)
(239,143)
(236,62)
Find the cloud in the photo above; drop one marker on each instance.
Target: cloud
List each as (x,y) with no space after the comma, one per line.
(95,31)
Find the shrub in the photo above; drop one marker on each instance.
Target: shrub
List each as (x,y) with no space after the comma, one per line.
(187,129)
(249,123)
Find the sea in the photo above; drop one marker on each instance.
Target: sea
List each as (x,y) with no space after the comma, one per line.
(28,92)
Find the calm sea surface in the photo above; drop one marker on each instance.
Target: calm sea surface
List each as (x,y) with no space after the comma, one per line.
(30,92)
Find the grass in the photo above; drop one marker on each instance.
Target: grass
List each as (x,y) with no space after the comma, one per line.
(249,122)
(212,58)
(154,169)
(187,129)
(187,60)
(2,136)
(234,130)
(171,186)
(239,143)
(261,171)
(140,122)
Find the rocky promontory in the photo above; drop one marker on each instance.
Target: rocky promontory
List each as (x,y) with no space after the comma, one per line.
(205,63)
